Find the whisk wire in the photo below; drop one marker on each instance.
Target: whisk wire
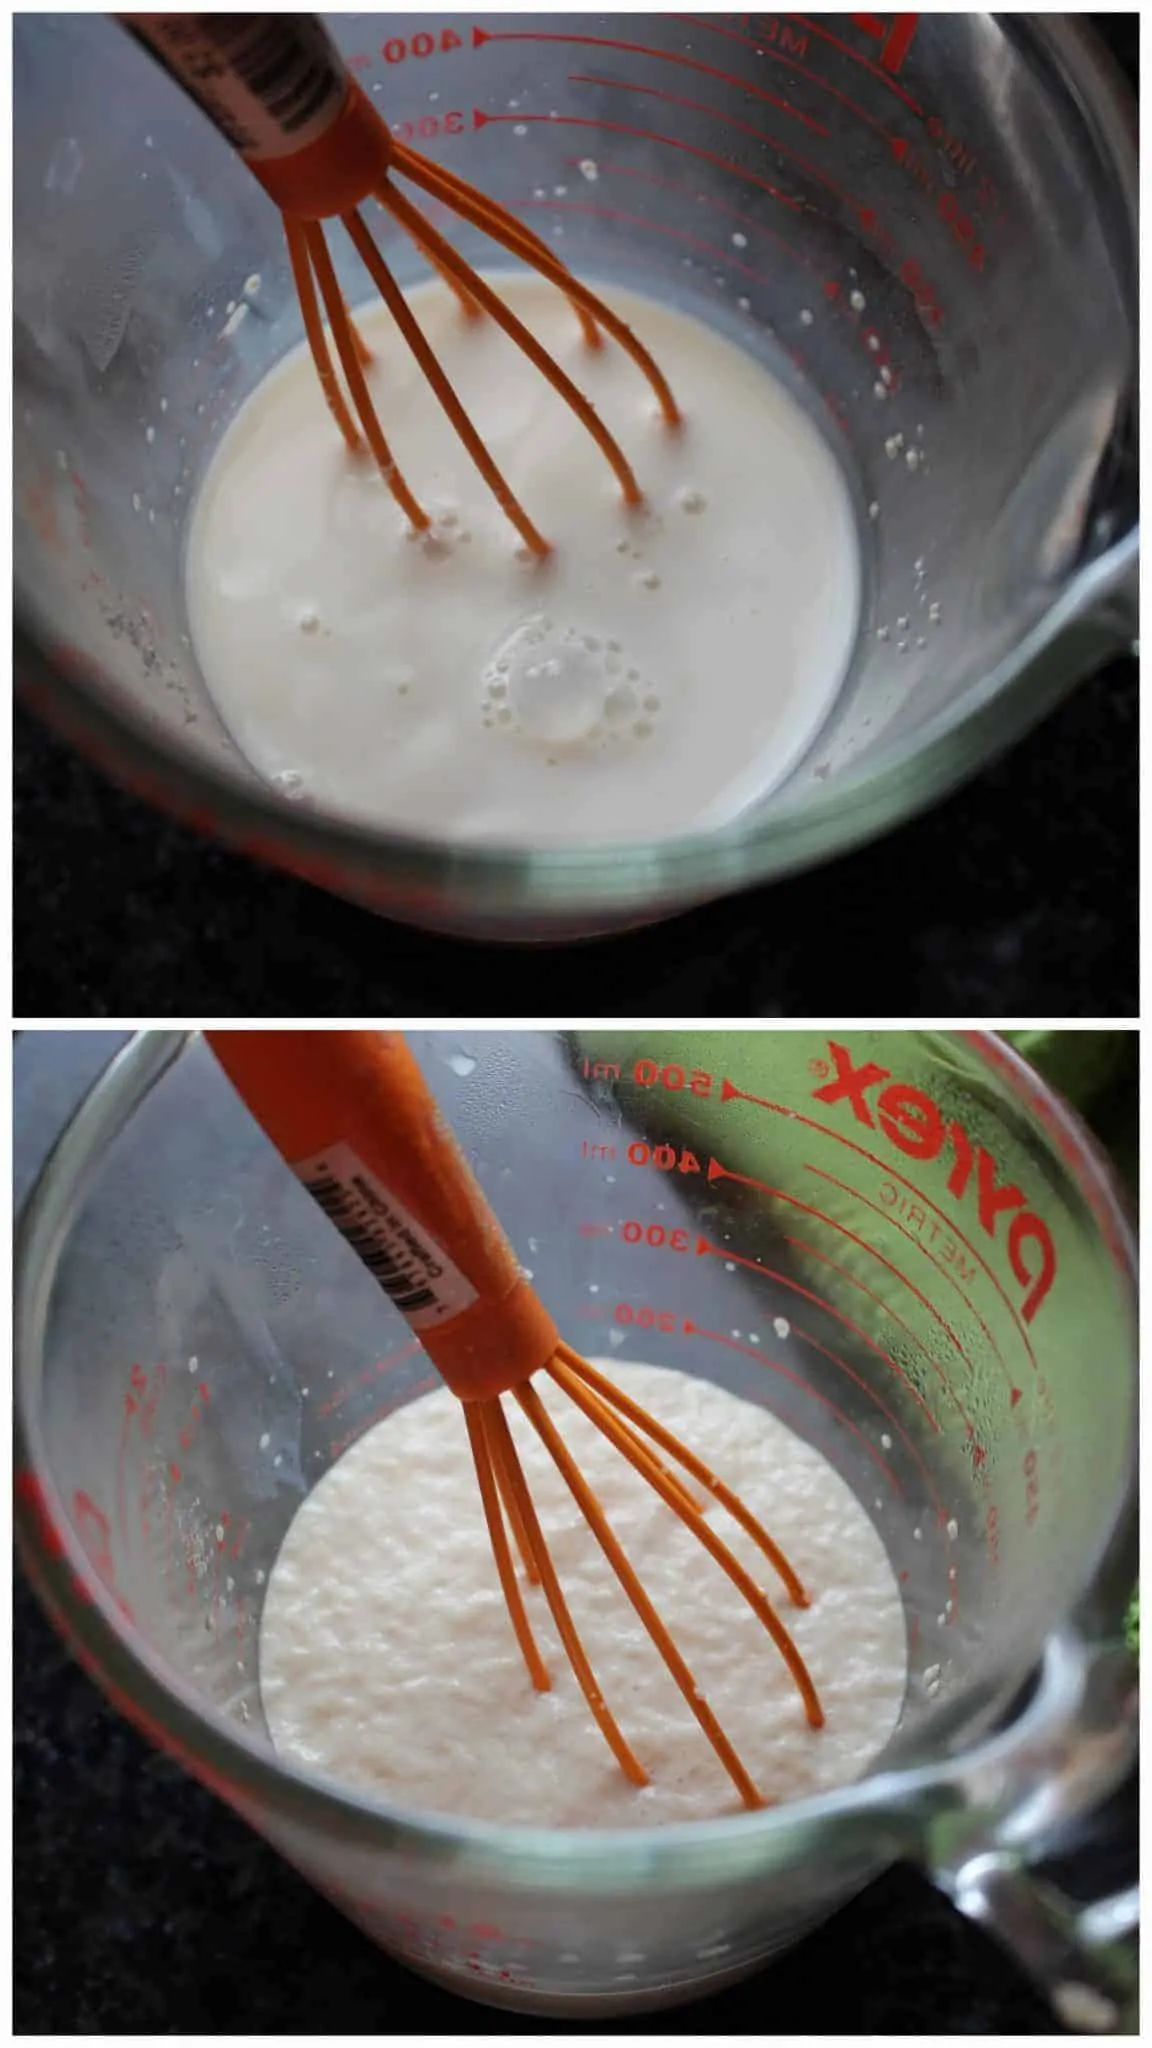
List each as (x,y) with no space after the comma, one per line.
(434,243)
(520,1534)
(762,1607)
(474,208)
(441,384)
(616,1398)
(593,1514)
(534,245)
(506,1458)
(490,1494)
(314,330)
(354,377)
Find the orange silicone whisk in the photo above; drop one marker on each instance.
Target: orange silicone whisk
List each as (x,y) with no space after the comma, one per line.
(351,1113)
(279,91)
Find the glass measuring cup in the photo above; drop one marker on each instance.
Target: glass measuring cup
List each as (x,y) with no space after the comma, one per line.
(927,222)
(900,1242)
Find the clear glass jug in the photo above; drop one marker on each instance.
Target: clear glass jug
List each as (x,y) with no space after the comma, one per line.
(900,1242)
(930,220)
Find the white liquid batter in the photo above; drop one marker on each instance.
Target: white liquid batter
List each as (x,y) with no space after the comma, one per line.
(387,1659)
(659,673)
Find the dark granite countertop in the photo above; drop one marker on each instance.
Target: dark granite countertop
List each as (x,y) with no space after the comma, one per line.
(1017,896)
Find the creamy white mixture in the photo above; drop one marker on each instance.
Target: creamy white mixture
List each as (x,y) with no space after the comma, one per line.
(388,1661)
(660,672)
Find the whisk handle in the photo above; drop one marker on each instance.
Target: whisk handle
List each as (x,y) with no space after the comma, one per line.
(277,88)
(352,1114)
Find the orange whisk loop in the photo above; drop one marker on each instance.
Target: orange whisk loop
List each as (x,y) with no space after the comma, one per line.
(351,1113)
(277,88)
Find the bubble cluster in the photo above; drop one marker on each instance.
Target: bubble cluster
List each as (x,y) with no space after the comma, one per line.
(560,688)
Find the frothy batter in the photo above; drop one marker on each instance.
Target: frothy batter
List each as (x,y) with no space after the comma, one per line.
(387,1659)
(659,673)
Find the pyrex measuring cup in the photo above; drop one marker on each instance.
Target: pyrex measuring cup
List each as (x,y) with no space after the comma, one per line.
(900,1242)
(927,222)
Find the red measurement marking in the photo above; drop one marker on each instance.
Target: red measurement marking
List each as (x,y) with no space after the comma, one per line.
(424,43)
(482,120)
(700,201)
(912,1238)
(650,1074)
(718,1172)
(671,99)
(818,1301)
(759,92)
(425,128)
(692,1329)
(372,1372)
(810,1251)
(657,1236)
(765,49)
(884,77)
(896,38)
(597,1229)
(709,249)
(729,1092)
(834,1359)
(665,1158)
(880,357)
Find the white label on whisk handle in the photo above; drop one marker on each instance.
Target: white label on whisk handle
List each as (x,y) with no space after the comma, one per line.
(414,1272)
(272,83)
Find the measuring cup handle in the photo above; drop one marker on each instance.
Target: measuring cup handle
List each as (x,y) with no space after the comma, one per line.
(1023,1790)
(1084,1958)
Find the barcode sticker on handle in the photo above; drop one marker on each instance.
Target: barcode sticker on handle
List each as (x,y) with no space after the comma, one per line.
(272,83)
(414,1272)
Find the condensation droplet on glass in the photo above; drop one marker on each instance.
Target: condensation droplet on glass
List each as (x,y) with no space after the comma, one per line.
(782,1327)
